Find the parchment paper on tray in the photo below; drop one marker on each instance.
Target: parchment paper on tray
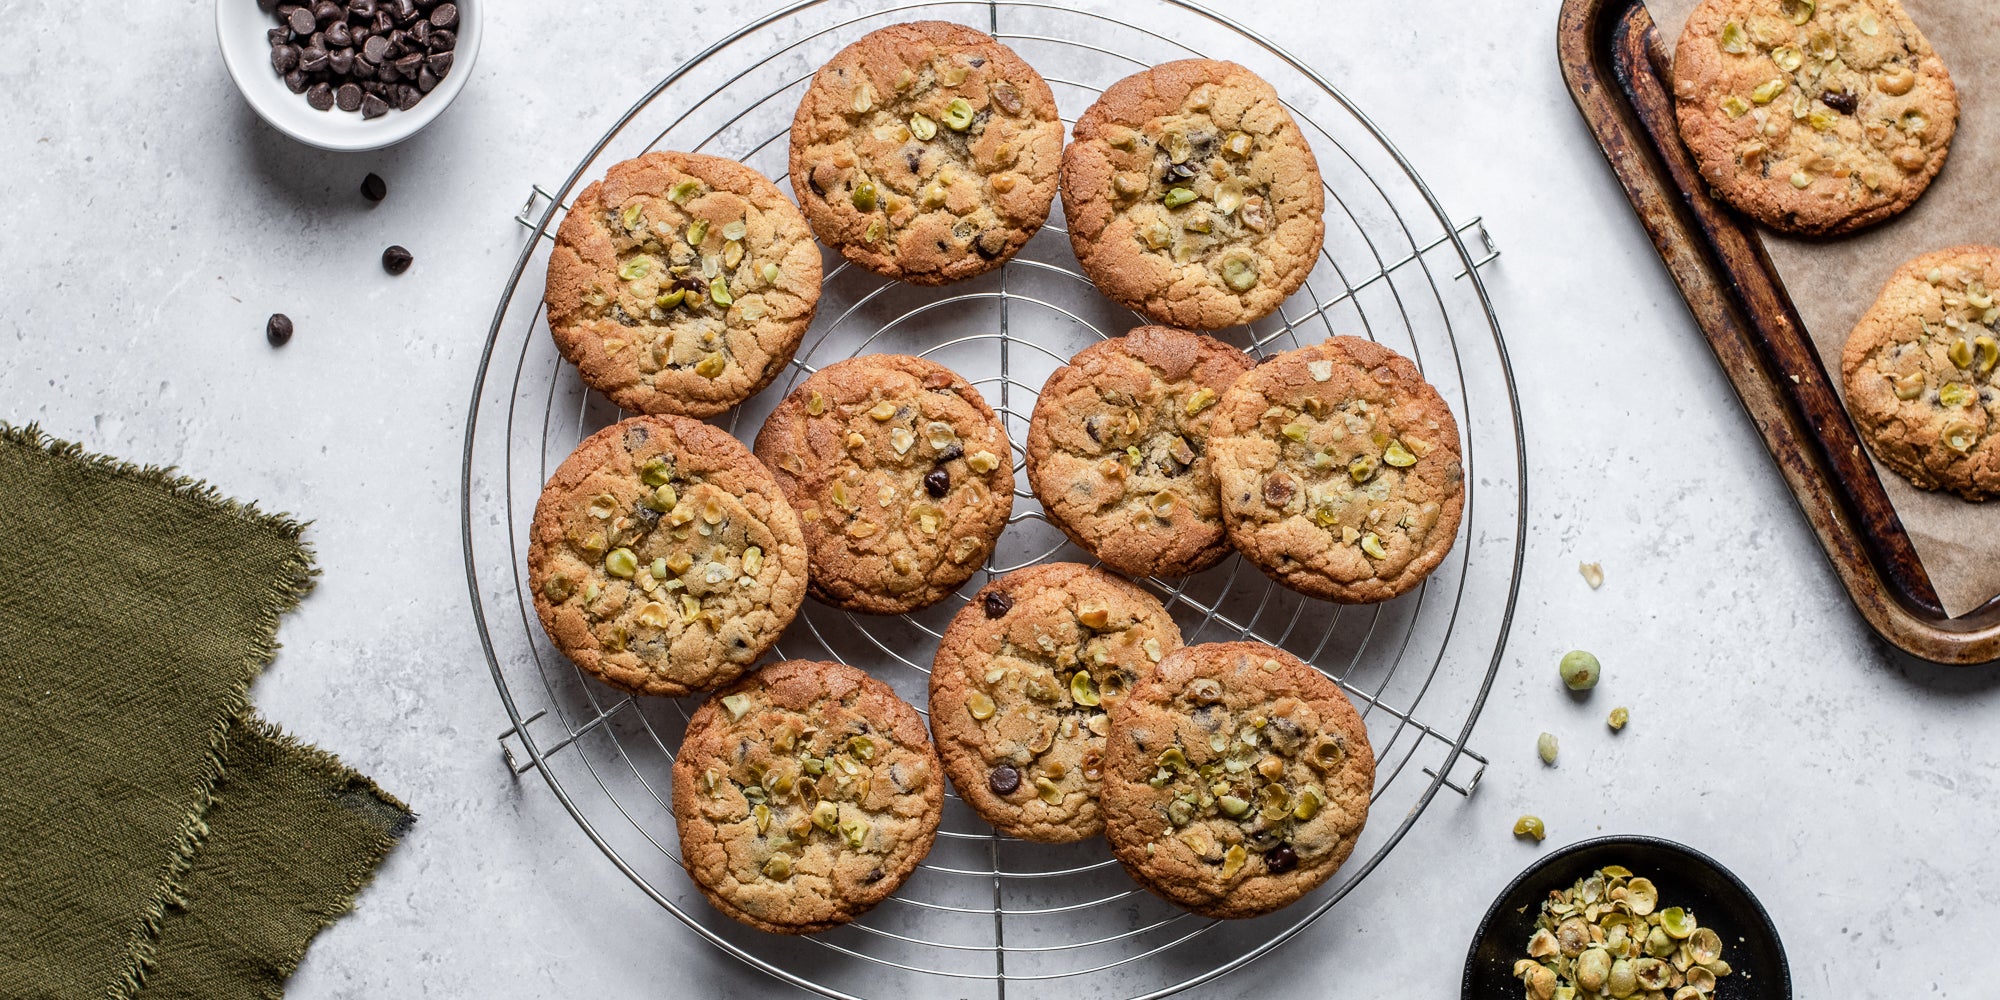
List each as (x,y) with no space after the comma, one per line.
(1834,281)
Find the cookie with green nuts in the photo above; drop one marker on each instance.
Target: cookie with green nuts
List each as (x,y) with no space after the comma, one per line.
(1022,687)
(663,559)
(1236,780)
(681,283)
(1340,474)
(926,152)
(804,795)
(1118,449)
(1192,196)
(1813,116)
(902,476)
(1920,372)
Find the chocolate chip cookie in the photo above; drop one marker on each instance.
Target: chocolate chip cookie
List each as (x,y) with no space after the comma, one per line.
(1919,372)
(681,283)
(805,794)
(901,474)
(1192,197)
(1022,685)
(1118,449)
(1339,468)
(1813,116)
(663,558)
(926,152)
(1236,779)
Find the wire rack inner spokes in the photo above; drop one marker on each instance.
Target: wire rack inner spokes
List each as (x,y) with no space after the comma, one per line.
(987,915)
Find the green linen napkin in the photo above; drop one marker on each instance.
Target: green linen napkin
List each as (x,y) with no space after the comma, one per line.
(159,841)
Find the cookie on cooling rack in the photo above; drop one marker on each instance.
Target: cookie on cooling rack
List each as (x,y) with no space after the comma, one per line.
(901,473)
(1118,449)
(926,152)
(1192,197)
(1236,779)
(1339,468)
(1816,118)
(1022,685)
(1920,372)
(681,283)
(805,794)
(663,559)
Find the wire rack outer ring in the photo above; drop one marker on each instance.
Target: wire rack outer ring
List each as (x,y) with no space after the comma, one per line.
(538,754)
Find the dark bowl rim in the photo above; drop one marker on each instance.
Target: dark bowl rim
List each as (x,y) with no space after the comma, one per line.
(1534,869)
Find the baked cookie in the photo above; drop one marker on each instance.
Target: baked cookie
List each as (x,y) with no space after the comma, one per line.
(681,283)
(1236,779)
(926,152)
(1118,449)
(805,794)
(1021,687)
(902,476)
(1339,471)
(662,558)
(1813,117)
(1192,197)
(1919,371)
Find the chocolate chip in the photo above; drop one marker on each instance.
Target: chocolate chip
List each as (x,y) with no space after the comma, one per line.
(373,107)
(300,21)
(445,15)
(1094,426)
(395,260)
(1281,859)
(361,10)
(340,62)
(278,329)
(937,483)
(990,243)
(326,11)
(998,604)
(951,451)
(374,188)
(348,97)
(375,49)
(427,81)
(407,97)
(320,96)
(1004,780)
(1840,101)
(284,59)
(312,60)
(439,63)
(1278,490)
(442,41)
(295,81)
(409,64)
(406,11)
(338,35)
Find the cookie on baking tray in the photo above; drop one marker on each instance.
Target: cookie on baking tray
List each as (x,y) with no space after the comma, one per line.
(1817,118)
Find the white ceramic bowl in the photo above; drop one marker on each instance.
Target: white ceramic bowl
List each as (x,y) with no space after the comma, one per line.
(241,27)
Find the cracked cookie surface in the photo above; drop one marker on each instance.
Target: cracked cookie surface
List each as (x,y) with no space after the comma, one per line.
(1237,779)
(1919,370)
(1192,197)
(681,283)
(1813,116)
(926,152)
(805,794)
(1118,449)
(902,476)
(663,559)
(1339,468)
(1022,686)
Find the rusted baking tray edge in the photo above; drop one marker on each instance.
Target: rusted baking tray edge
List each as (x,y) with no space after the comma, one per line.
(1617,72)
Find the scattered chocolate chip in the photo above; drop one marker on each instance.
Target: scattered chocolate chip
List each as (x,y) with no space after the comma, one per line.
(284,59)
(348,97)
(338,35)
(375,49)
(340,62)
(937,483)
(300,21)
(1004,780)
(295,81)
(407,97)
(327,10)
(439,63)
(373,107)
(998,604)
(409,64)
(1840,101)
(361,10)
(312,60)
(278,329)
(444,15)
(426,81)
(1281,859)
(374,188)
(320,96)
(442,41)
(395,260)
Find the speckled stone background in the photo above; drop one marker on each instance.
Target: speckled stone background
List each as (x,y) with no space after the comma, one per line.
(152,222)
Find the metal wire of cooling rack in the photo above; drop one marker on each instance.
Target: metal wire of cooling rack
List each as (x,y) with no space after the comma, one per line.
(987,915)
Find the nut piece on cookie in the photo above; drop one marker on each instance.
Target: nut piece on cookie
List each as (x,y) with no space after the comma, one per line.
(902,476)
(1919,370)
(681,283)
(1192,197)
(1118,449)
(1817,117)
(1022,688)
(1339,469)
(663,559)
(1236,779)
(804,795)
(926,152)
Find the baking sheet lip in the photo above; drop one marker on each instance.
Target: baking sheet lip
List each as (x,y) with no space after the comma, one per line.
(1589,47)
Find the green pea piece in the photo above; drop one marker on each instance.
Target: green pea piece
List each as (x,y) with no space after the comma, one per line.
(1579,670)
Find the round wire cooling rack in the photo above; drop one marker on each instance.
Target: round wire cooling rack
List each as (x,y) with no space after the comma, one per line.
(988,915)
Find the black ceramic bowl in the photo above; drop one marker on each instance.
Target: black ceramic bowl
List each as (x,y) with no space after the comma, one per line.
(1685,877)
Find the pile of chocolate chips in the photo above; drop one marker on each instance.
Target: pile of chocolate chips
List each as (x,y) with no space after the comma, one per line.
(363,55)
